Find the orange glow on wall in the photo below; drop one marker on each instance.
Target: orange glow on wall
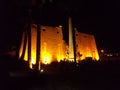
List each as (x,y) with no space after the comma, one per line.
(33,45)
(86,46)
(21,48)
(54,48)
(46,59)
(51,45)
(26,53)
(45,56)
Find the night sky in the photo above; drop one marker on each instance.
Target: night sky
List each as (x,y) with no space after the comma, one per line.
(98,17)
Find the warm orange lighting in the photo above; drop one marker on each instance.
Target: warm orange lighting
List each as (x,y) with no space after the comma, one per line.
(102,51)
(54,48)
(30,65)
(71,60)
(22,45)
(21,48)
(33,45)
(86,46)
(33,60)
(71,48)
(94,56)
(26,52)
(46,60)
(46,57)
(41,70)
(97,58)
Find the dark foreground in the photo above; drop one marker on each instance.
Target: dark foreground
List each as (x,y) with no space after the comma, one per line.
(88,75)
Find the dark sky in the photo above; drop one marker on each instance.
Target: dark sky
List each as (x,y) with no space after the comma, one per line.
(98,17)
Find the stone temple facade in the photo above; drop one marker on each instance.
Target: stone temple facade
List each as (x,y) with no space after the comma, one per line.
(54,48)
(86,46)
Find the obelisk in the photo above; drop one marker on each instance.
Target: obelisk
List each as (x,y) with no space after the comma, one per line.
(71,48)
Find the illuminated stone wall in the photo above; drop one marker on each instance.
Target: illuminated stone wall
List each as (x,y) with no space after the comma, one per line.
(86,46)
(54,48)
(52,44)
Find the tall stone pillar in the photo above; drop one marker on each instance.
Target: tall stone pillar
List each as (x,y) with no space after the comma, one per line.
(71,48)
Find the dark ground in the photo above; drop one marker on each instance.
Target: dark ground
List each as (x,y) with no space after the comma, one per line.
(88,75)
